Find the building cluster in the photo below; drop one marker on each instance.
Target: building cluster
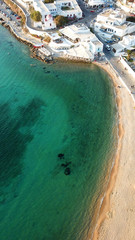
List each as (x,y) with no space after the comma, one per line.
(78,42)
(128,42)
(66,8)
(110,25)
(113,22)
(98,3)
(130,4)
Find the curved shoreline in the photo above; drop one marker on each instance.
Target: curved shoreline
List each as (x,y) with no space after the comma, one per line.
(106,201)
(118,203)
(105,206)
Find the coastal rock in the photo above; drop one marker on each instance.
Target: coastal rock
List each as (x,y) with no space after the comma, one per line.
(67,171)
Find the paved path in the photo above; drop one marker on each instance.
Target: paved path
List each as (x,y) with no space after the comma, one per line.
(128,79)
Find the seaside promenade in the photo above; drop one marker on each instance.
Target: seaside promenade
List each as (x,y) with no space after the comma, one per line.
(124,74)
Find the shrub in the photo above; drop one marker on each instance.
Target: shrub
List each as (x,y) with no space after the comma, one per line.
(60,20)
(130,60)
(47,39)
(36,16)
(48,1)
(65,8)
(131,19)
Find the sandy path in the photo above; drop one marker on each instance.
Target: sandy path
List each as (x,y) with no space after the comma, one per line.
(117,216)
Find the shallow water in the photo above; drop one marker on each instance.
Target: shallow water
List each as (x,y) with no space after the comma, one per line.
(47,110)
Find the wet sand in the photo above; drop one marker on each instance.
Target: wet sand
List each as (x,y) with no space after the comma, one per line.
(117,214)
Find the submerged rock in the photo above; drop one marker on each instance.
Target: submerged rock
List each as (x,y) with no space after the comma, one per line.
(65,164)
(61,155)
(67,171)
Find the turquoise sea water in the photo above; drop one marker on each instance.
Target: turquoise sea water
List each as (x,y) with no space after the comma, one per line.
(46,110)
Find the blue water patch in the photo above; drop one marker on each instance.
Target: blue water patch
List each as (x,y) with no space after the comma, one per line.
(57,135)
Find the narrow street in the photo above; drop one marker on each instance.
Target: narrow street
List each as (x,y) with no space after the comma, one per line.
(123,73)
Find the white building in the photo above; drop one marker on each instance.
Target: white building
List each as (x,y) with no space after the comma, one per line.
(59,43)
(95,3)
(118,49)
(25,3)
(96,47)
(81,35)
(66,8)
(76,33)
(127,6)
(113,22)
(47,19)
(128,42)
(80,53)
(49,22)
(52,8)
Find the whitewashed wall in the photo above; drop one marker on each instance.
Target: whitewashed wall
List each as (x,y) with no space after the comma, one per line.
(36,32)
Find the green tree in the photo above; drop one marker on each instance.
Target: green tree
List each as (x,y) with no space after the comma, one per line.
(60,21)
(48,1)
(36,16)
(131,19)
(129,53)
(47,39)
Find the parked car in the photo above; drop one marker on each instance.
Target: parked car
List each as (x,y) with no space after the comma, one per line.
(18,17)
(107,47)
(92,11)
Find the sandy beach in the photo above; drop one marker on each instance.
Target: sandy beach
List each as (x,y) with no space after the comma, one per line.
(117,215)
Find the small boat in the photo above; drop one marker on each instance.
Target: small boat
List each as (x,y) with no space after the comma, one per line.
(33,65)
(38,45)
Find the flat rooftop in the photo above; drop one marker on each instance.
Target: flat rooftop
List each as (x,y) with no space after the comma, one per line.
(50,6)
(97,42)
(111,13)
